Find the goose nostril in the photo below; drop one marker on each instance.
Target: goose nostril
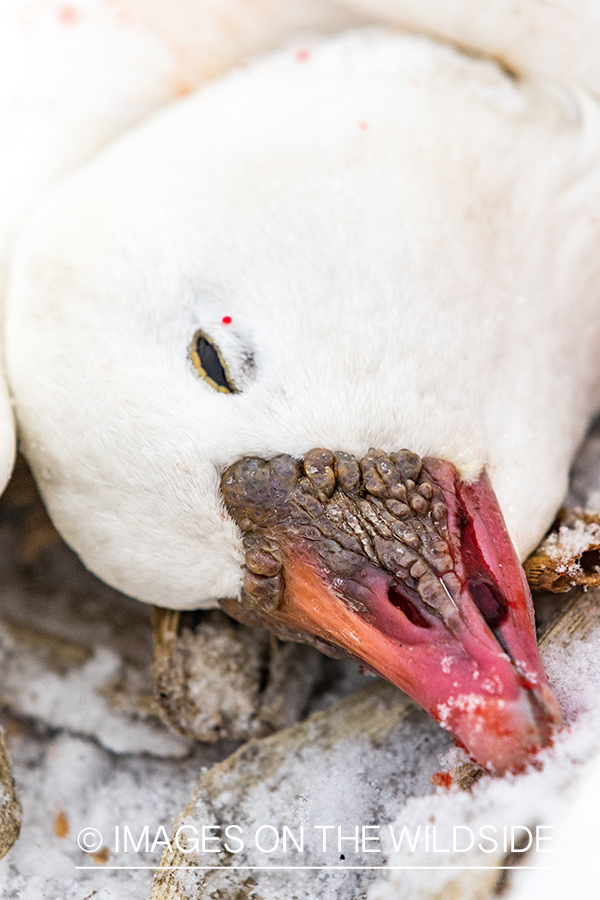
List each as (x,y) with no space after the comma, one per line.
(400,601)
(490,602)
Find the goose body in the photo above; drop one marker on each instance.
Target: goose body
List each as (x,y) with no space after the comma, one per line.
(409,211)
(386,244)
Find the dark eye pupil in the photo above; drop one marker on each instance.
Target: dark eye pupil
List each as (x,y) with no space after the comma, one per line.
(209,363)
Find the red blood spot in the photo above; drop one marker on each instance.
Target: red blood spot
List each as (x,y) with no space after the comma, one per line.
(363,126)
(302,55)
(442,779)
(226,320)
(68,15)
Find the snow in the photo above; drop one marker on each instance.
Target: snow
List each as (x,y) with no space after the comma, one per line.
(566,545)
(75,701)
(58,773)
(82,730)
(331,781)
(540,797)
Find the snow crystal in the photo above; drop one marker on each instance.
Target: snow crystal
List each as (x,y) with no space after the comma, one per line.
(88,787)
(75,701)
(570,542)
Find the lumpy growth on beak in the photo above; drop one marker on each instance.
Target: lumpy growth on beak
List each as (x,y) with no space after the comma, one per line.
(394,561)
(382,509)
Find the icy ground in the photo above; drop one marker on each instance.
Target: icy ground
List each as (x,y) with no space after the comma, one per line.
(88,751)
(538,798)
(81,725)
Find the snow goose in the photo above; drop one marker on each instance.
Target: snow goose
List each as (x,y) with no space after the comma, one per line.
(75,75)
(370,242)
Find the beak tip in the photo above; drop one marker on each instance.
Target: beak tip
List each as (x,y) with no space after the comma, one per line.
(504,736)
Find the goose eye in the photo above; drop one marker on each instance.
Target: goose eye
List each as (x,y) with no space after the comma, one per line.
(209,363)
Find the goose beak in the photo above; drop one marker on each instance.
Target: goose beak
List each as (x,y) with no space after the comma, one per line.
(397,562)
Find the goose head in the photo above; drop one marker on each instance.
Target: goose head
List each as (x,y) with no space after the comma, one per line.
(279,349)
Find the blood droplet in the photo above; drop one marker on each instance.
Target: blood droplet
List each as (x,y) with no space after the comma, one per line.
(68,15)
(226,320)
(442,779)
(302,55)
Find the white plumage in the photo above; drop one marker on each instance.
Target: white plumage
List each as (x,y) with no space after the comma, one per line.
(405,241)
(73,76)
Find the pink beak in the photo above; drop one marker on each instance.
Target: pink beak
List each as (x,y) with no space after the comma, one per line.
(463,646)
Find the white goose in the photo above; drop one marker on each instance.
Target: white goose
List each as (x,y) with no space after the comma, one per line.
(370,242)
(74,75)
